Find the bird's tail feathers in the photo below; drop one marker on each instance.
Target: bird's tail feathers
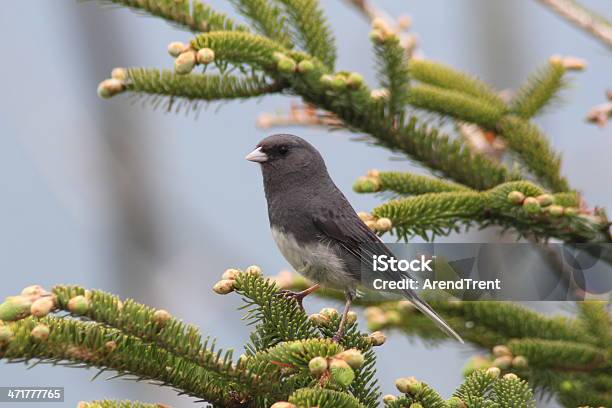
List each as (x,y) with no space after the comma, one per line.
(429,312)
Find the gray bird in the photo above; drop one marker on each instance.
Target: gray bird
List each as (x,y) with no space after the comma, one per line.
(315,227)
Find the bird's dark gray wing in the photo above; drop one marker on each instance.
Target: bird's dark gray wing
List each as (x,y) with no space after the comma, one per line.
(350,233)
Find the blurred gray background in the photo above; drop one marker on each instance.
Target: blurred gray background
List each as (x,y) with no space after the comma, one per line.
(116,196)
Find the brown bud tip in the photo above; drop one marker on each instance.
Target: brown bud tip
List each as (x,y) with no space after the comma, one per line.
(372,311)
(338,82)
(531,205)
(371,225)
(110,346)
(501,350)
(15,308)
(355,80)
(205,56)
(224,286)
(384,224)
(408,385)
(176,48)
(389,398)
(34,290)
(40,332)
(493,372)
(510,376)
(569,211)
(364,216)
(78,305)
(286,65)
(545,199)
(516,197)
(185,62)
(455,402)
(161,317)
(377,338)
(374,173)
(404,22)
(318,319)
(317,366)
(284,279)
(405,305)
(120,74)
(379,93)
(326,79)
(503,362)
(43,306)
(329,312)
(353,357)
(555,210)
(305,66)
(110,87)
(230,274)
(341,372)
(283,404)
(6,335)
(351,317)
(519,362)
(253,270)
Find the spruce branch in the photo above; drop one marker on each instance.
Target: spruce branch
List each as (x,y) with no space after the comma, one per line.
(193,87)
(192,15)
(311,29)
(392,66)
(455,104)
(541,87)
(267,19)
(534,150)
(521,205)
(443,76)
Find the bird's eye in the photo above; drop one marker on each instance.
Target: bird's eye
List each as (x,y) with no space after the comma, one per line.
(283,150)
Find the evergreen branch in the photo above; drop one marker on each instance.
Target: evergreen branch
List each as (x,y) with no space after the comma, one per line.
(192,15)
(117,404)
(583,18)
(456,104)
(312,31)
(538,91)
(559,354)
(196,86)
(534,150)
(439,213)
(392,67)
(96,346)
(404,183)
(597,321)
(239,48)
(443,76)
(266,18)
(323,398)
(512,205)
(276,318)
(147,324)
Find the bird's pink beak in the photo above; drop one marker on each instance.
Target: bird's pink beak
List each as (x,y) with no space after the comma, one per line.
(257,155)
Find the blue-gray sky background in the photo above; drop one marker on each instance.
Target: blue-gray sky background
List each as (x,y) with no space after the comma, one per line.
(113,195)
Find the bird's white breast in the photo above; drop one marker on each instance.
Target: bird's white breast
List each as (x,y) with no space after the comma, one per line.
(316,261)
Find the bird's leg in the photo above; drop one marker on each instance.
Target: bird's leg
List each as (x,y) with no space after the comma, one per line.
(299,296)
(347,306)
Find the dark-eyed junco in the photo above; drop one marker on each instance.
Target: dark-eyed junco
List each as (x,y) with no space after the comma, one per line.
(315,227)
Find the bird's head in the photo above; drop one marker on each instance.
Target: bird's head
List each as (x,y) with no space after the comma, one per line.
(286,155)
